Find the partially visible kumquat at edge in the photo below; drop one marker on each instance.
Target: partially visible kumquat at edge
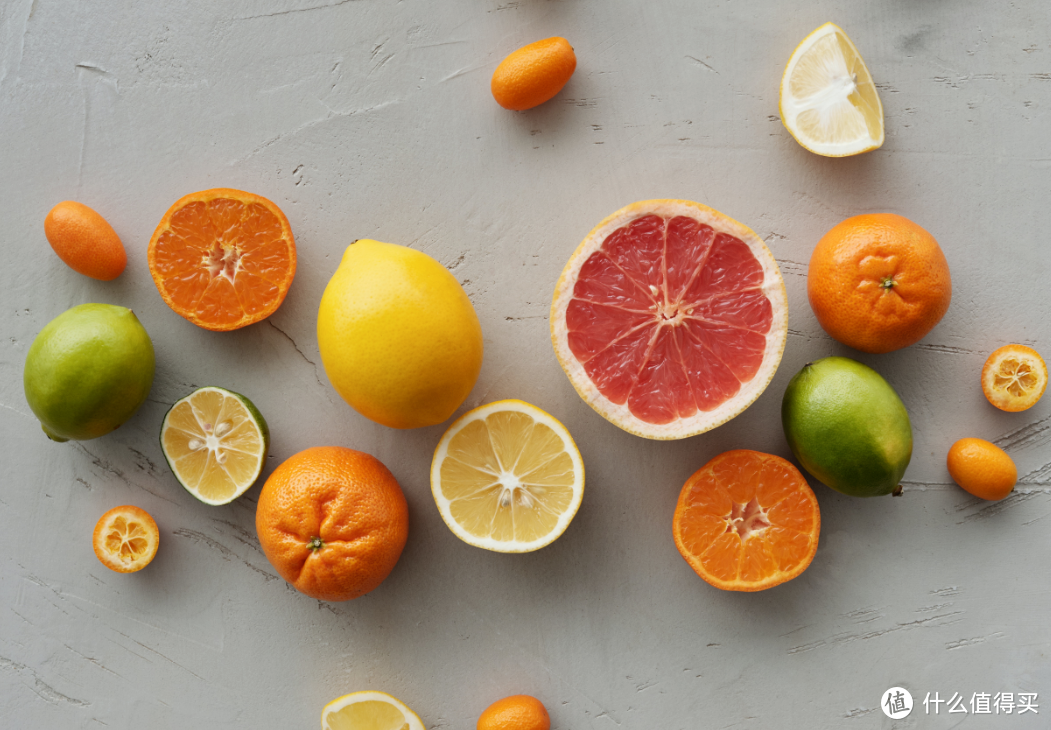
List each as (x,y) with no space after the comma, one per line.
(747,521)
(982,468)
(1014,378)
(517,712)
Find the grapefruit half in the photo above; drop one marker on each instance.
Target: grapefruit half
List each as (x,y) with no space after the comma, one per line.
(670,318)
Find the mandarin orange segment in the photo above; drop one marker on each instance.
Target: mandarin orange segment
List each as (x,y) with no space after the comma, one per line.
(223,258)
(722,559)
(747,521)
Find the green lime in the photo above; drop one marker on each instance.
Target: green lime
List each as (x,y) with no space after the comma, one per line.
(215,442)
(847,427)
(88,371)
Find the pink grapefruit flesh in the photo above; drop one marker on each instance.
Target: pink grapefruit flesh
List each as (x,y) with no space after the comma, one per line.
(668,317)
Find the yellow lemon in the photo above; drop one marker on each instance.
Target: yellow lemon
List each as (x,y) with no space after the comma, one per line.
(829,102)
(398,336)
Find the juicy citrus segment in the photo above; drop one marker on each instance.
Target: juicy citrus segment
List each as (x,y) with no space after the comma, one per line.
(368,711)
(670,318)
(507,477)
(223,258)
(1014,378)
(125,539)
(747,521)
(829,103)
(215,442)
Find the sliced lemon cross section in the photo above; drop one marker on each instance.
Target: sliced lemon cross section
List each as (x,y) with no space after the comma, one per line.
(828,100)
(369,711)
(215,442)
(507,477)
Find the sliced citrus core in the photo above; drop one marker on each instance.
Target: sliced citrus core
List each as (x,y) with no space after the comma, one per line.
(223,258)
(670,318)
(829,103)
(1014,378)
(215,442)
(507,477)
(747,521)
(369,711)
(125,539)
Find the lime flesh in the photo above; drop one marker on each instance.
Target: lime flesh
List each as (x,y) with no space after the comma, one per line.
(88,371)
(215,442)
(847,427)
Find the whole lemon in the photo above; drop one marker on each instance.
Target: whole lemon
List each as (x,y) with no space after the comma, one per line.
(398,336)
(847,427)
(88,371)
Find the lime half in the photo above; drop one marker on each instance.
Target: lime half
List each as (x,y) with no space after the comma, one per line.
(215,442)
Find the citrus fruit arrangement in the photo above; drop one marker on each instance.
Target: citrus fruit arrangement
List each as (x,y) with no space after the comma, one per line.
(669,319)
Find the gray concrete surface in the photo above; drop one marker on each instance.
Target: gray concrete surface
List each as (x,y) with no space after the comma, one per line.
(373,118)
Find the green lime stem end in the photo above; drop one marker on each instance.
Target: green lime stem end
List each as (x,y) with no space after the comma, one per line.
(53,436)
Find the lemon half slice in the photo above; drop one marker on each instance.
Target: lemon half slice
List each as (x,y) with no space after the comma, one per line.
(507,477)
(369,711)
(828,101)
(215,442)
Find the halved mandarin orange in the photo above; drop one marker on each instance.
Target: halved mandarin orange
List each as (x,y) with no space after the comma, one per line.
(747,521)
(223,258)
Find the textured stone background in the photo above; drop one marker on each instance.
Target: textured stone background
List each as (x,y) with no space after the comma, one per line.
(373,118)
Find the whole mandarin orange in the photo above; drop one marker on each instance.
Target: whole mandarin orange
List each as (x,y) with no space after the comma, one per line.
(517,712)
(85,241)
(982,468)
(333,522)
(533,74)
(878,282)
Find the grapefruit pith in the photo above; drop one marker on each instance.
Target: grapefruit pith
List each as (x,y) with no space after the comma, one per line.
(670,318)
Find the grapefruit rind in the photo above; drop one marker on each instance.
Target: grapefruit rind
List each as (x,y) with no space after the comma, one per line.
(620,415)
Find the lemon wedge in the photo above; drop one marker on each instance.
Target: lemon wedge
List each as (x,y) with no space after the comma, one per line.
(215,442)
(828,101)
(369,711)
(507,477)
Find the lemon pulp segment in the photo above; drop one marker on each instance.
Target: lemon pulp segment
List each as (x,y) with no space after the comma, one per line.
(368,715)
(214,444)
